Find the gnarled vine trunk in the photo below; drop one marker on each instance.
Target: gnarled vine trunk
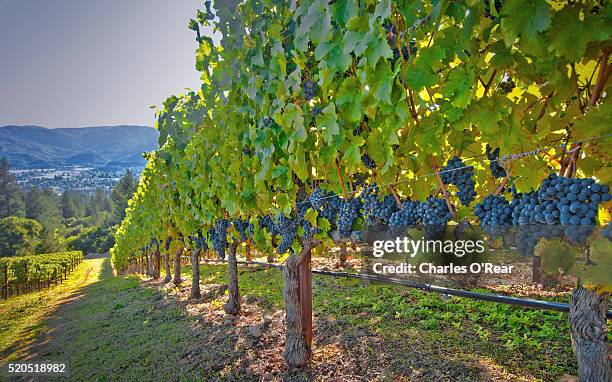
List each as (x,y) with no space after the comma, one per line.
(343,254)
(167,265)
(297,337)
(195,270)
(156,264)
(148,264)
(177,267)
(588,311)
(233,304)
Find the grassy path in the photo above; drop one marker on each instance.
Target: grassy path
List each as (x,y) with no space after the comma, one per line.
(21,316)
(109,328)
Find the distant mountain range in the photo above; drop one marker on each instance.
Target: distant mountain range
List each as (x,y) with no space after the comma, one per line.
(28,147)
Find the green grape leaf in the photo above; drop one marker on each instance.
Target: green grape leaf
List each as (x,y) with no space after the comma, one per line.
(349,99)
(525,18)
(327,122)
(379,81)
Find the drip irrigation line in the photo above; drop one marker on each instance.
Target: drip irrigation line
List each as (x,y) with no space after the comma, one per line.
(490,297)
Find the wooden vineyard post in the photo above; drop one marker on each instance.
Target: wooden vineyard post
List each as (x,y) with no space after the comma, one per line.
(195,271)
(168,276)
(157,264)
(233,304)
(297,293)
(177,267)
(148,264)
(305,277)
(249,256)
(343,253)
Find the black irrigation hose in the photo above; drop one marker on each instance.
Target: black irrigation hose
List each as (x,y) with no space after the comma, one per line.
(498,298)
(517,301)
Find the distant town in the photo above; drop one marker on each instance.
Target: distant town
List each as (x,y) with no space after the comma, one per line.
(77,178)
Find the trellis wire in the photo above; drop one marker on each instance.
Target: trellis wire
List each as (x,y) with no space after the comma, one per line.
(502,160)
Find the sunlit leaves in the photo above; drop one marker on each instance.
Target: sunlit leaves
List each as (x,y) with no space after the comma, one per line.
(525,18)
(327,122)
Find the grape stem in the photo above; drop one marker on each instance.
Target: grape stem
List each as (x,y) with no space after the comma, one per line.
(503,183)
(489,83)
(397,199)
(340,177)
(444,192)
(602,77)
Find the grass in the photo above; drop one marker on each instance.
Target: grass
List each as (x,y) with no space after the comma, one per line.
(118,328)
(517,338)
(20,316)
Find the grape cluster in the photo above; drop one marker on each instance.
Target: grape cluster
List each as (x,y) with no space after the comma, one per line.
(368,162)
(576,202)
(244,228)
(493,156)
(218,236)
(316,111)
(407,216)
(495,214)
(406,51)
(434,214)
(310,90)
(375,210)
(200,241)
(347,214)
(494,210)
(327,204)
(487,4)
(287,229)
(507,85)
(267,222)
(267,122)
(528,236)
(358,130)
(457,173)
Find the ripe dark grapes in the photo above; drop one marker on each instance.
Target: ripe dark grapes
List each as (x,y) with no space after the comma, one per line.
(435,215)
(375,210)
(244,228)
(487,4)
(347,214)
(368,162)
(457,173)
(310,90)
(267,222)
(507,85)
(327,204)
(407,216)
(493,156)
(218,236)
(287,229)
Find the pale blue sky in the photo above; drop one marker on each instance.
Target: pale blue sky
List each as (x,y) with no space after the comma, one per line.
(73,63)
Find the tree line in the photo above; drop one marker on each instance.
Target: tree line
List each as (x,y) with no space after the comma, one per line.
(37,220)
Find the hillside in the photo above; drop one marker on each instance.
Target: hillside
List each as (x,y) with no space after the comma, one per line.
(38,147)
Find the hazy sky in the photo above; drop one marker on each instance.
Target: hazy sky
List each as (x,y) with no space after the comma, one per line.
(73,63)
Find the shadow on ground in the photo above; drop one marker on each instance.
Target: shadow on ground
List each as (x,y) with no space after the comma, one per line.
(124,329)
